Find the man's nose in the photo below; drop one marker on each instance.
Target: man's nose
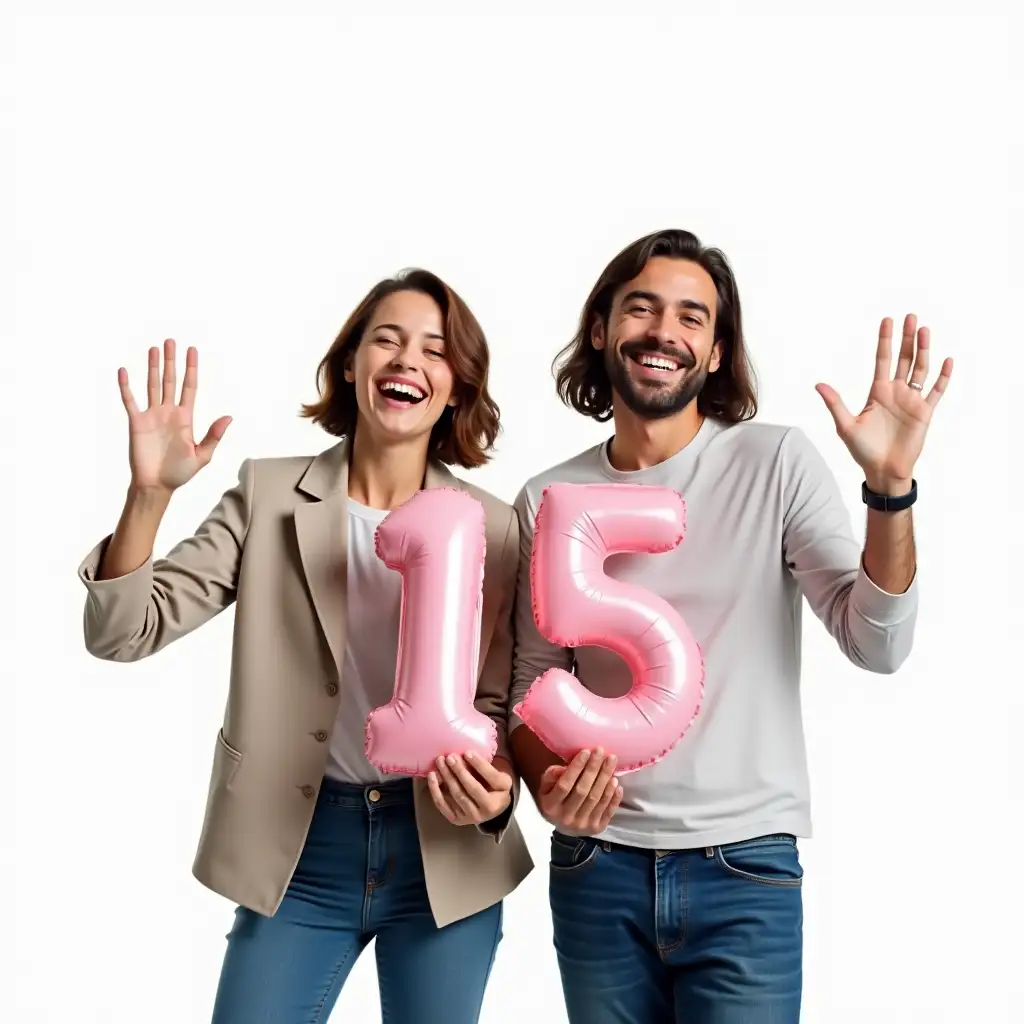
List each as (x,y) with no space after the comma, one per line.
(664,328)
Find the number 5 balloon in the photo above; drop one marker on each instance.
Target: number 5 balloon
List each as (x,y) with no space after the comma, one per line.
(576,604)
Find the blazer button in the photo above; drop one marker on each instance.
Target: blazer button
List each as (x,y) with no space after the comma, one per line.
(307,791)
(321,736)
(332,689)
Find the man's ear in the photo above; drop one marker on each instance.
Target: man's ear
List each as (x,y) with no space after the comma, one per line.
(597,335)
(716,357)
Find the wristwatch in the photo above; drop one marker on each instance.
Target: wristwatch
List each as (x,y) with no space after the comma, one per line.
(888,502)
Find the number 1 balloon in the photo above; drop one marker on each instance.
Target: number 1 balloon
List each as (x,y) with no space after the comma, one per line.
(436,540)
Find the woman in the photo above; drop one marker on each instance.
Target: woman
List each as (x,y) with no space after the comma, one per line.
(321,851)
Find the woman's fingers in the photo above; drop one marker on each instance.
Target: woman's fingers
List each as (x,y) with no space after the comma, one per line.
(208,445)
(438,797)
(191,381)
(153,377)
(126,393)
(170,372)
(456,793)
(474,788)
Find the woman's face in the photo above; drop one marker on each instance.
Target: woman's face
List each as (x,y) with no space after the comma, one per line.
(402,379)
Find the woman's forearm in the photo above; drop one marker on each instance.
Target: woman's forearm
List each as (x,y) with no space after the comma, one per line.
(132,543)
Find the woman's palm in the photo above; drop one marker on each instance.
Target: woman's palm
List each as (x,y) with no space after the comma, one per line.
(162,450)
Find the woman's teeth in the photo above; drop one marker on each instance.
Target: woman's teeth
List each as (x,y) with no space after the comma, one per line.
(403,392)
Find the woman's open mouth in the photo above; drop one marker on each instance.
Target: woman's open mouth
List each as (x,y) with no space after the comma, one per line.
(400,393)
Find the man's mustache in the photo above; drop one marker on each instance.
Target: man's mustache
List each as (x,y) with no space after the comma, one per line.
(651,346)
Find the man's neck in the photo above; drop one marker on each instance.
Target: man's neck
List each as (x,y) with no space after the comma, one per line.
(639,443)
(385,476)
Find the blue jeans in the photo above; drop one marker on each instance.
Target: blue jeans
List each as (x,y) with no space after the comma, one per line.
(709,936)
(360,877)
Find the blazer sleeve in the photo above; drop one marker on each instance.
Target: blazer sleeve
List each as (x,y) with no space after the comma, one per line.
(496,676)
(136,615)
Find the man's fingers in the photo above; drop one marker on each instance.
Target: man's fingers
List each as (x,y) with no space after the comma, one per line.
(883,354)
(939,387)
(571,773)
(585,783)
(906,357)
(609,809)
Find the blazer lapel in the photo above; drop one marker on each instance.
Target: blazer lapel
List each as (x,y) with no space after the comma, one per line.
(321,528)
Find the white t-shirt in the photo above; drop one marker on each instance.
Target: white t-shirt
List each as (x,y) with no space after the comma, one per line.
(371,651)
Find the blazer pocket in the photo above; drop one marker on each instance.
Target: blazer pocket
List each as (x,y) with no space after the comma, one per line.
(226,762)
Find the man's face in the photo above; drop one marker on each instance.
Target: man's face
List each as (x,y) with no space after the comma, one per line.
(659,343)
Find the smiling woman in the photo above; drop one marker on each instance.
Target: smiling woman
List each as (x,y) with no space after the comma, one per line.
(411,359)
(294,804)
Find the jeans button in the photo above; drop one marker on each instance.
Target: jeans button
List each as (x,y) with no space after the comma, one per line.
(374,796)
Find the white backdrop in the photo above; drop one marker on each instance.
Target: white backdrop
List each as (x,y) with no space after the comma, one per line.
(238,182)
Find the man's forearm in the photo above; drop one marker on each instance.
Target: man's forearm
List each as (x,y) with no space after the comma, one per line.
(532,759)
(890,558)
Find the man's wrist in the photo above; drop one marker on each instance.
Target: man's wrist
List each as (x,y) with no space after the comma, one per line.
(891,487)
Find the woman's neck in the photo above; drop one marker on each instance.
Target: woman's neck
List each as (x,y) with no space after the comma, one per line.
(385,476)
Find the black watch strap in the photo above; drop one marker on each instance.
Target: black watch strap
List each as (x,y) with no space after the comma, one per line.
(888,502)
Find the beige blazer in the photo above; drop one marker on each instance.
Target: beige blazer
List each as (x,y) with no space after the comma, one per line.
(275,545)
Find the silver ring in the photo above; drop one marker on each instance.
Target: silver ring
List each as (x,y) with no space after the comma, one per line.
(915,385)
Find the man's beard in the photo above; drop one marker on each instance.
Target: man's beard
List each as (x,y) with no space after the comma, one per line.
(652,400)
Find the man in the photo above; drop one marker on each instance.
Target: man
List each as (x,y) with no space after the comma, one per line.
(675,890)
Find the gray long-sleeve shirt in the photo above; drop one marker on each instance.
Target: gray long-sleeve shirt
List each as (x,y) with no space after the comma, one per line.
(765,526)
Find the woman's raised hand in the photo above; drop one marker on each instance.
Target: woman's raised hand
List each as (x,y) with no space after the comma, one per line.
(162,450)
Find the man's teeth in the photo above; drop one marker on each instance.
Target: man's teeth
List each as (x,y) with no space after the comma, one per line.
(393,387)
(657,363)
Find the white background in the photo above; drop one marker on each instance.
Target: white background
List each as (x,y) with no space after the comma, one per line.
(238,182)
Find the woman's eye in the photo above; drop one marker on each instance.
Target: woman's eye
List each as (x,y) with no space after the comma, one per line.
(434,353)
(639,309)
(386,341)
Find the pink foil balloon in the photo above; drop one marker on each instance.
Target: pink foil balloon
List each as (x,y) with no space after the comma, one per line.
(437,541)
(575,604)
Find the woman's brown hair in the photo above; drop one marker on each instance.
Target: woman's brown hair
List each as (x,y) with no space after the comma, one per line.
(465,433)
(729,394)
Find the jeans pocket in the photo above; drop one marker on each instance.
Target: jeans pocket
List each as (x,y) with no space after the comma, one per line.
(770,860)
(572,853)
